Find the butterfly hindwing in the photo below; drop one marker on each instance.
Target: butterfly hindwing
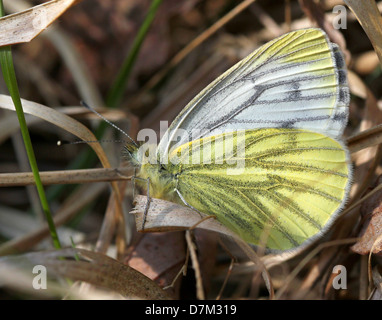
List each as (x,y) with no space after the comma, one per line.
(291,184)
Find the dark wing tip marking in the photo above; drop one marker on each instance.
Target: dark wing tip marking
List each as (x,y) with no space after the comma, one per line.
(338,57)
(340,116)
(344,96)
(342,77)
(288,124)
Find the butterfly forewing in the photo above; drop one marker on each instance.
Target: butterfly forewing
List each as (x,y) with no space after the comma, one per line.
(295,81)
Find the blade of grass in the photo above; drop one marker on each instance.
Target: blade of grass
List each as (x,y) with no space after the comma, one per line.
(6,63)
(116,92)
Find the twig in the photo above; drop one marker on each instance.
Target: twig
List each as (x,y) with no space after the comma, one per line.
(65,177)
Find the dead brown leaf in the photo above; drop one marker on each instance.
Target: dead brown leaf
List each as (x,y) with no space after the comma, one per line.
(94,268)
(370,19)
(59,119)
(113,217)
(371,210)
(151,256)
(167,216)
(377,279)
(24,26)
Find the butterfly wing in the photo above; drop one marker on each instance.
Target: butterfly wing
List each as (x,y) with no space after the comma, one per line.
(291,98)
(296,81)
(289,189)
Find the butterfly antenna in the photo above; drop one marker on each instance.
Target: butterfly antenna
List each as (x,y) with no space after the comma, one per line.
(107,121)
(62,142)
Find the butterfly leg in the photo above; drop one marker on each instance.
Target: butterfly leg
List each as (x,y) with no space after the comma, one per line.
(147,196)
(190,206)
(185,202)
(181,272)
(147,204)
(133,181)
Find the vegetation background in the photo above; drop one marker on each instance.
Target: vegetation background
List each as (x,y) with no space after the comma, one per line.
(87,54)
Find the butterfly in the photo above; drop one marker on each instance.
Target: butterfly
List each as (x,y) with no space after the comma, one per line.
(260,148)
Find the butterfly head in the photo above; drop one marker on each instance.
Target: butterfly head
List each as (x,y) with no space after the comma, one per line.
(130,153)
(162,181)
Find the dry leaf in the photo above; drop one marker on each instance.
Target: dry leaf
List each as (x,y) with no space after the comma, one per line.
(69,124)
(158,256)
(60,120)
(153,258)
(94,268)
(370,19)
(371,210)
(24,26)
(167,216)
(377,279)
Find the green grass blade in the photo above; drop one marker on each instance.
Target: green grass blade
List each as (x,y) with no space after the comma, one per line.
(87,158)
(6,63)
(116,92)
